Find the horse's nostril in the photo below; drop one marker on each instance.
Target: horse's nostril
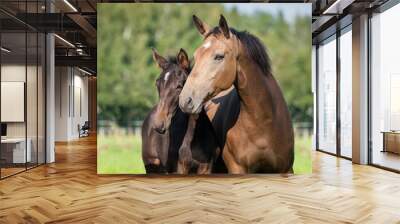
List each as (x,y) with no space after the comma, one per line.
(160,128)
(189,102)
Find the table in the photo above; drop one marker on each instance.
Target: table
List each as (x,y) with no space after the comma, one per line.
(13,150)
(391,141)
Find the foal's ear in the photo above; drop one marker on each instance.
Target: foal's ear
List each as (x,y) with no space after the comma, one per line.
(183,59)
(223,26)
(202,27)
(160,60)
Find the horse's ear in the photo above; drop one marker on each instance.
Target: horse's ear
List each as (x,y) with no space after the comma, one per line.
(160,60)
(223,26)
(202,27)
(183,59)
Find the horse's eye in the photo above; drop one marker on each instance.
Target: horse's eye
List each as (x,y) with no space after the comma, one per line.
(180,86)
(219,57)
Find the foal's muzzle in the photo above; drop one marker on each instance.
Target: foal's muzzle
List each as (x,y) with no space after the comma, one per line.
(160,128)
(159,125)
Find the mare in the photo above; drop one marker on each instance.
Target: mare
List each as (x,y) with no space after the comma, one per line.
(260,138)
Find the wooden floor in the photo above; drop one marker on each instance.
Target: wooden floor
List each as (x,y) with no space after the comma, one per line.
(69,191)
(5,172)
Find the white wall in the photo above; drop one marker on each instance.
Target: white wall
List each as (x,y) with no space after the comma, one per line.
(62,81)
(80,100)
(16,73)
(33,126)
(10,73)
(71,94)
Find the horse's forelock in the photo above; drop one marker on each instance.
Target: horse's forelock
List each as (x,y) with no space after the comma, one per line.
(254,47)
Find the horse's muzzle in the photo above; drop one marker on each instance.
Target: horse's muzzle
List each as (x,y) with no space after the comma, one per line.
(186,104)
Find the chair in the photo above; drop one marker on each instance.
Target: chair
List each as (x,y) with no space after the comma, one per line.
(84,130)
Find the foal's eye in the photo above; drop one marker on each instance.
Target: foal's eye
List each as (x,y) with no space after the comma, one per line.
(219,57)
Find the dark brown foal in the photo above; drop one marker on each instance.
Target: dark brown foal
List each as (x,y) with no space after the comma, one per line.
(172,140)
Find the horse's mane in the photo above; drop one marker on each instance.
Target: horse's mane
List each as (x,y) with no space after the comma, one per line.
(254,47)
(172,60)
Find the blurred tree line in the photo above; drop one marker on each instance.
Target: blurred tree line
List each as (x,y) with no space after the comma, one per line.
(127,73)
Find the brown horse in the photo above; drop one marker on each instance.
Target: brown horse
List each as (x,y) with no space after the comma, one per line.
(261,137)
(172,140)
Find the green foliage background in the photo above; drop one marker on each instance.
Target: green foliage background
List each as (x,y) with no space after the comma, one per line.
(127,73)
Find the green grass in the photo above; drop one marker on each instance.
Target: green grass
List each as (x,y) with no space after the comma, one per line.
(119,154)
(302,155)
(122,155)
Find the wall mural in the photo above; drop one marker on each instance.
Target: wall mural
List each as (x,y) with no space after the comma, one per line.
(204,88)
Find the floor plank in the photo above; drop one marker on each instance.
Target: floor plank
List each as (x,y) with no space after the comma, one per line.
(70,191)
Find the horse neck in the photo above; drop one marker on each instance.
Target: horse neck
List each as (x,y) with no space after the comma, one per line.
(255,91)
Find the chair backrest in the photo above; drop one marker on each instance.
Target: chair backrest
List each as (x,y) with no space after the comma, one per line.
(86,124)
